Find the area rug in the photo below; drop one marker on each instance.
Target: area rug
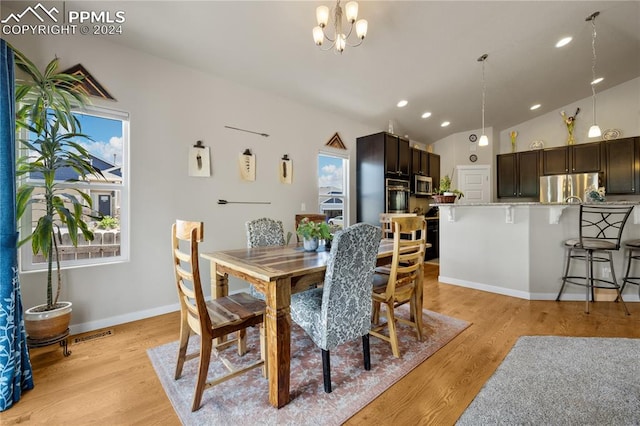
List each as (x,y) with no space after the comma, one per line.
(549,380)
(244,400)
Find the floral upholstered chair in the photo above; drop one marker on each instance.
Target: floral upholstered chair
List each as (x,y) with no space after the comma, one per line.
(341,310)
(264,232)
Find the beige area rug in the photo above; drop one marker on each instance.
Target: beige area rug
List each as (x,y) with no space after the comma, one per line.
(245,401)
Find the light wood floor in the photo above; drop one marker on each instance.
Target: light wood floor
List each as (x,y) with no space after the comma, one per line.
(111,381)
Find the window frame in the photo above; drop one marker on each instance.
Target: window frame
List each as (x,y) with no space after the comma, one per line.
(344,156)
(26,256)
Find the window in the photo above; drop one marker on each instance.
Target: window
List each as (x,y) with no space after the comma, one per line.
(109,133)
(333,188)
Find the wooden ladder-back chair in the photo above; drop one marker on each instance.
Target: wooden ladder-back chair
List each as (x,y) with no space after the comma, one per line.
(212,319)
(403,283)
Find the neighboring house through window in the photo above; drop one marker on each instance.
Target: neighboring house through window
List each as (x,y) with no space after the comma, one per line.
(333,187)
(109,147)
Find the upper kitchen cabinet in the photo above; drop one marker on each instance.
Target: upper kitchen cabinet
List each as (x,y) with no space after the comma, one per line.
(388,150)
(397,155)
(419,162)
(434,168)
(582,158)
(519,174)
(622,166)
(425,164)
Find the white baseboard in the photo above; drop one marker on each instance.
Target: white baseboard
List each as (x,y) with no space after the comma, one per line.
(580,297)
(485,287)
(121,319)
(125,318)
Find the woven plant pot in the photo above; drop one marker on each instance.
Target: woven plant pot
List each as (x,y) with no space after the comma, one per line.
(444,199)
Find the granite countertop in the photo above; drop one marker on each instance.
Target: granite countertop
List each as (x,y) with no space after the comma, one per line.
(533,203)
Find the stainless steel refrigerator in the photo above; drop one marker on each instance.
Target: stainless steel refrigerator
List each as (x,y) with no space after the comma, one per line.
(567,188)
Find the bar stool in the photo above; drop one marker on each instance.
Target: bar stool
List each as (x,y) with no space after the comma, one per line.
(600,232)
(632,251)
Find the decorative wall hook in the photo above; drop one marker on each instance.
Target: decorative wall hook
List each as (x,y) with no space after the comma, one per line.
(199,163)
(286,169)
(247,164)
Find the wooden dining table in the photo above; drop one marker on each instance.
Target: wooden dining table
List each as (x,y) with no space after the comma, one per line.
(277,272)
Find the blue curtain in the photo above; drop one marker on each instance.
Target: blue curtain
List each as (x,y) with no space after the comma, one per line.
(15,366)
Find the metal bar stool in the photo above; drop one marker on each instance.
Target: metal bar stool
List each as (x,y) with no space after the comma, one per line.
(632,251)
(600,232)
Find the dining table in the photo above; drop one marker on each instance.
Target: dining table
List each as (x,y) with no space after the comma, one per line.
(277,272)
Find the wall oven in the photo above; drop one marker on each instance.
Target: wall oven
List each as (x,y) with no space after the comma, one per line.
(397,193)
(422,185)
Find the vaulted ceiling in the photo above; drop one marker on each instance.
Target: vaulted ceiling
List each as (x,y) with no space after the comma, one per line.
(423,51)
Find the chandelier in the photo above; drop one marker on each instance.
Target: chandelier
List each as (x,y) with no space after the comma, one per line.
(484,140)
(594,130)
(339,39)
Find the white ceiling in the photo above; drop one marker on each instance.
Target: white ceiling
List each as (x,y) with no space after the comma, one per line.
(422,51)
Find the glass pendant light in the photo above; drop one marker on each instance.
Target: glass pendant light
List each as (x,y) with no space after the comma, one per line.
(594,130)
(484,140)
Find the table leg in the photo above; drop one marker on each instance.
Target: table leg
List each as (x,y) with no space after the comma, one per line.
(219,288)
(278,319)
(419,299)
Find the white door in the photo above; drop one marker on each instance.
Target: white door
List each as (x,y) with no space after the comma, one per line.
(474,183)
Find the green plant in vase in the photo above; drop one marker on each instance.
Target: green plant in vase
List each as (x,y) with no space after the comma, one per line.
(312,232)
(51,136)
(446,190)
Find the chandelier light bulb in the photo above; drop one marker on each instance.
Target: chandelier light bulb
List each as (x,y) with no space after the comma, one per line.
(352,11)
(361,28)
(318,36)
(322,16)
(341,42)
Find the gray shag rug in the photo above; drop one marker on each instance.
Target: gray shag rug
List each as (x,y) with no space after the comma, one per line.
(549,380)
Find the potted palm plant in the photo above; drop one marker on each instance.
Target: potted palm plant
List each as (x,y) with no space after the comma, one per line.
(312,232)
(51,137)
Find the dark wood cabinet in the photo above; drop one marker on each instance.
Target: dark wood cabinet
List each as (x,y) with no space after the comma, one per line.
(397,155)
(419,162)
(378,156)
(425,164)
(519,174)
(434,169)
(622,167)
(582,158)
(433,227)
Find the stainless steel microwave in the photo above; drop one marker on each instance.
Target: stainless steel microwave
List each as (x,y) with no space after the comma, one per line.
(422,185)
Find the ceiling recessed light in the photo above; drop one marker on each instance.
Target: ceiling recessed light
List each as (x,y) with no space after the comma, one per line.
(564,41)
(534,107)
(597,80)
(402,103)
(444,124)
(426,115)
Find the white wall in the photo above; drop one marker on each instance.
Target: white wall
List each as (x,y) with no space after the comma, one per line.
(454,151)
(617,108)
(171,107)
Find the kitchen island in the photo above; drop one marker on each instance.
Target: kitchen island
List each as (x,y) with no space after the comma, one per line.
(516,249)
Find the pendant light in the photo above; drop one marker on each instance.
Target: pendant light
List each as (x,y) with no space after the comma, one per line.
(594,130)
(484,140)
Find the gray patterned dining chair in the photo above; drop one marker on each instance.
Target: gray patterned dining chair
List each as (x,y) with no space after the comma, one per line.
(341,310)
(264,232)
